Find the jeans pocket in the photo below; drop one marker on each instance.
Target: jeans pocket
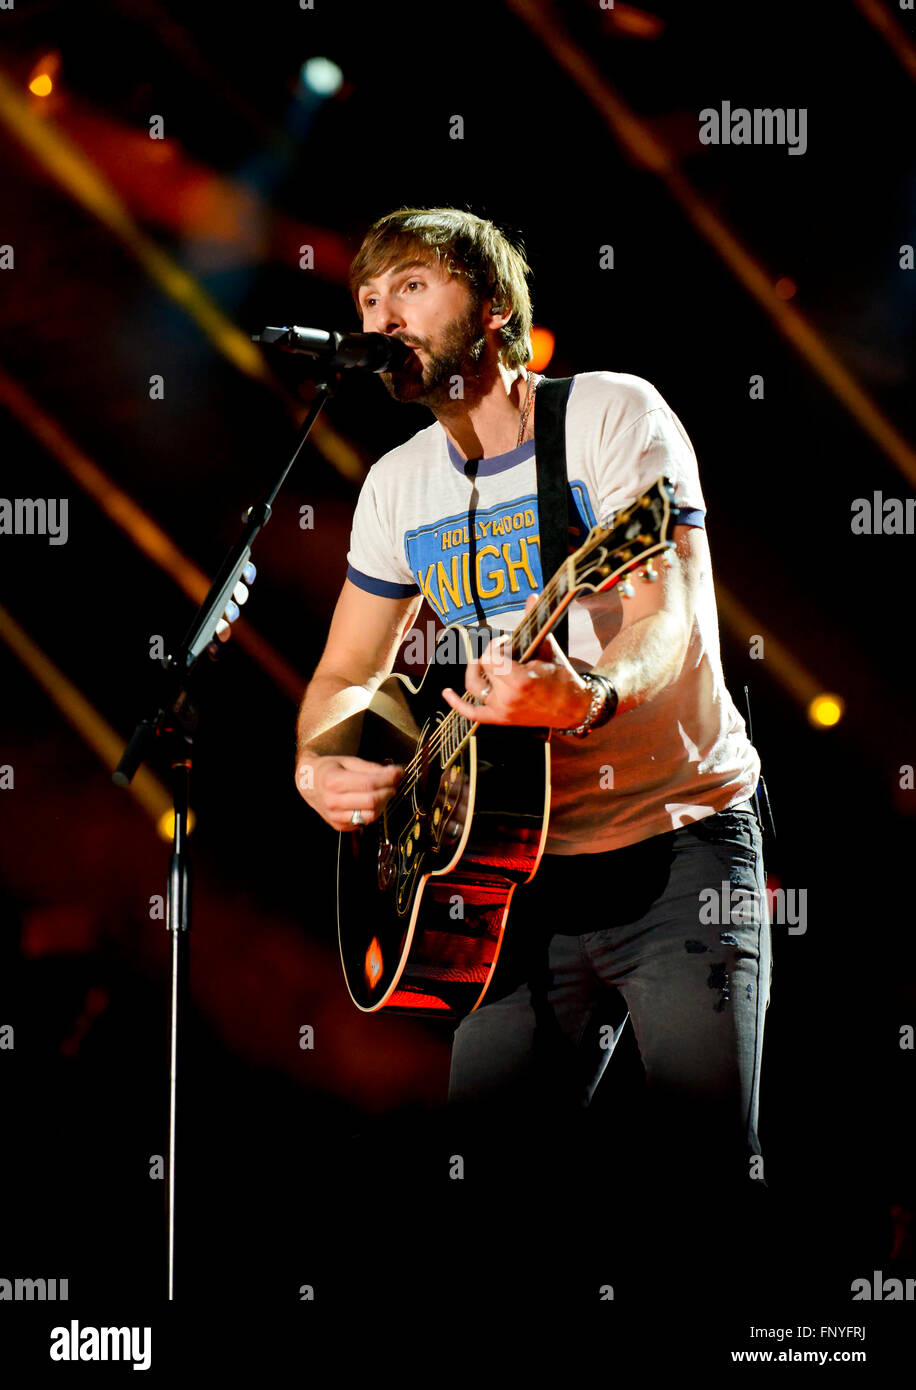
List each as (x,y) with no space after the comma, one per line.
(734,832)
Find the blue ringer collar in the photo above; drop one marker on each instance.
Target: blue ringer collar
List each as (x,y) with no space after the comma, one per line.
(499,463)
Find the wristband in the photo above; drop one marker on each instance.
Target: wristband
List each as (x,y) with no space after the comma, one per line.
(602,708)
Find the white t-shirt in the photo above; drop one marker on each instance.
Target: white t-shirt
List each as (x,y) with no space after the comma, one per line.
(675,758)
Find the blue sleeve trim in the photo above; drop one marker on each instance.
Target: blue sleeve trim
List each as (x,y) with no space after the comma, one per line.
(380,586)
(691,516)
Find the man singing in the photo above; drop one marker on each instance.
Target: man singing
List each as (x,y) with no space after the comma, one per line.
(652,772)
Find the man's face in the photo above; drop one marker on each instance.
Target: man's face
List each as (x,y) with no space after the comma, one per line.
(434,313)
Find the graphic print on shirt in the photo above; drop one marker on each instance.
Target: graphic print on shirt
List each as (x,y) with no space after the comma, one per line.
(507,561)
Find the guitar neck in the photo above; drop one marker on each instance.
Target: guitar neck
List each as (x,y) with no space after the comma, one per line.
(528,635)
(537,622)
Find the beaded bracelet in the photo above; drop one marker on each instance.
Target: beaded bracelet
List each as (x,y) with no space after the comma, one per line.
(602,708)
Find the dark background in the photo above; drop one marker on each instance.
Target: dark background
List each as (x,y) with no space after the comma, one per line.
(325,1166)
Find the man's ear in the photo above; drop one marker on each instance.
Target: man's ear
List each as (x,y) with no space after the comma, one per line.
(499,312)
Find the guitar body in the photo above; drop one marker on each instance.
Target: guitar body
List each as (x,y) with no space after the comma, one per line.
(423,891)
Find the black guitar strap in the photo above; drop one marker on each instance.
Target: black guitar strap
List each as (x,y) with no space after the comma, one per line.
(557,512)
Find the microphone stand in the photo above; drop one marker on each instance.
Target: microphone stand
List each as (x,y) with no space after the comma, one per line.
(175,721)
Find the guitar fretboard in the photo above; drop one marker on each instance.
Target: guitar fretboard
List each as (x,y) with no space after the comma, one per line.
(455,729)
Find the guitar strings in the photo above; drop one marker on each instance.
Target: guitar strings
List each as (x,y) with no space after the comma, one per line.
(444,729)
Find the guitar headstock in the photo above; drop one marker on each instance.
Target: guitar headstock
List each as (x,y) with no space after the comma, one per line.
(630,538)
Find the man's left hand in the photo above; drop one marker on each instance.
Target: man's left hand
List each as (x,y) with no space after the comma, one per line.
(545,692)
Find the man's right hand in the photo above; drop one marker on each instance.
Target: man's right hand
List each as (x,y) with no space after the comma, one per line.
(335,787)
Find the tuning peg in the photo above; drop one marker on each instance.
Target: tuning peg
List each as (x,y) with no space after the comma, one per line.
(223,630)
(240,592)
(231,611)
(249,573)
(649,574)
(667,560)
(626,588)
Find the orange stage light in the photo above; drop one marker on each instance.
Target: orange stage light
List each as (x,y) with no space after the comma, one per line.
(636,24)
(542,345)
(165,826)
(825,711)
(44,73)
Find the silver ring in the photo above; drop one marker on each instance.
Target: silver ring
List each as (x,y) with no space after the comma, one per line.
(482,697)
(356,818)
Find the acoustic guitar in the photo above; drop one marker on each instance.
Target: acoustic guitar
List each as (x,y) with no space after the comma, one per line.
(423,891)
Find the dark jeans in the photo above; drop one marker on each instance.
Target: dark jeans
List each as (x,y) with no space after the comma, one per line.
(596,935)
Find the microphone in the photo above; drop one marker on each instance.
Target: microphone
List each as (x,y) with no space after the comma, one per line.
(375,352)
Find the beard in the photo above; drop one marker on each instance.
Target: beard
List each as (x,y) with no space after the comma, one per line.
(459,353)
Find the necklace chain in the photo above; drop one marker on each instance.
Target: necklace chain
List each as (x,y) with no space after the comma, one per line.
(526,409)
